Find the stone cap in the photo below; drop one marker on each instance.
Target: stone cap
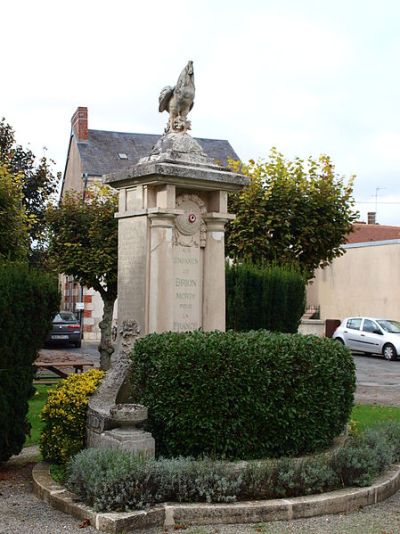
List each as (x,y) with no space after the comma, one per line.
(178,159)
(179,174)
(175,147)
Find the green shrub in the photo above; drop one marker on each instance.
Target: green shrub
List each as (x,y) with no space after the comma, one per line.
(114,480)
(304,477)
(64,416)
(391,431)
(271,297)
(28,300)
(242,395)
(365,456)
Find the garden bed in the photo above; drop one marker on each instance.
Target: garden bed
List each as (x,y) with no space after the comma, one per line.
(172,514)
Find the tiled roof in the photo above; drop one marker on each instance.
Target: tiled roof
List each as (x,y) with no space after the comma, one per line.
(363,233)
(100,154)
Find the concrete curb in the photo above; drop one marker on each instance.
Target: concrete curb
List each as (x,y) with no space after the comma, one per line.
(171,514)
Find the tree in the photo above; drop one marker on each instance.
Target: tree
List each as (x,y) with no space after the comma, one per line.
(84,244)
(295,212)
(38,181)
(14,223)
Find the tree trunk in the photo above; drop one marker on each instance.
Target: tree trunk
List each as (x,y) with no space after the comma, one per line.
(105,347)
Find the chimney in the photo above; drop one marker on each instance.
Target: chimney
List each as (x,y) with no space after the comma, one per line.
(79,124)
(372,217)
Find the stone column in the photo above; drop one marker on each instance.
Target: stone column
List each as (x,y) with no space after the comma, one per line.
(161,294)
(214,272)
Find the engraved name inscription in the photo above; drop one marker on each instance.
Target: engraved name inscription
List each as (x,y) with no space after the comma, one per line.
(187,288)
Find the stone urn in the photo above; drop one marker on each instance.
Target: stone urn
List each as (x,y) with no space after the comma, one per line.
(128,415)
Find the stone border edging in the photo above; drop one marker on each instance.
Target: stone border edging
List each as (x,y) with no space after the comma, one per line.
(170,514)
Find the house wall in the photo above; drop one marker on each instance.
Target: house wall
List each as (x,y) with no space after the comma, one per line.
(92,314)
(364,281)
(73,172)
(314,327)
(93,311)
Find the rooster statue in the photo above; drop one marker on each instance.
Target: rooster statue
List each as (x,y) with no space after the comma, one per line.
(179,100)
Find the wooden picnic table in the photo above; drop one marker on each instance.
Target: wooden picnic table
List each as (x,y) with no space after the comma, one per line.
(56,367)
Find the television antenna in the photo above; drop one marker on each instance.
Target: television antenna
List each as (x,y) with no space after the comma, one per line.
(376,198)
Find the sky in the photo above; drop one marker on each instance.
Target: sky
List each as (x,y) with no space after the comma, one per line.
(308,77)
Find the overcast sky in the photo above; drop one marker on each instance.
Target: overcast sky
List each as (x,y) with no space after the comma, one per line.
(308,77)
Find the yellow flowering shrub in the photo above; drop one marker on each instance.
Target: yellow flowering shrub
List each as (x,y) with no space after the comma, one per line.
(64,415)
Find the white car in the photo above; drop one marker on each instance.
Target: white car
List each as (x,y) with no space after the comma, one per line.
(370,335)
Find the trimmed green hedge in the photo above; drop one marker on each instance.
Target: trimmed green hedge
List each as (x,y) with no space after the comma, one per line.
(28,300)
(242,395)
(271,297)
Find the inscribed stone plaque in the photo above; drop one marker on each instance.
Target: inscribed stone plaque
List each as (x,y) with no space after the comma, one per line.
(187,289)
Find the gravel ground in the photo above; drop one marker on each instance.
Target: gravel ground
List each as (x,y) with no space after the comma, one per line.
(22,513)
(383,518)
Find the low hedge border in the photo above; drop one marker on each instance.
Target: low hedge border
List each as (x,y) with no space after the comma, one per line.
(169,515)
(116,480)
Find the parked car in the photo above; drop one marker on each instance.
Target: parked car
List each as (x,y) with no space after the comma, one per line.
(65,328)
(370,335)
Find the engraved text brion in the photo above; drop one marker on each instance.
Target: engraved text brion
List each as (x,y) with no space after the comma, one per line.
(185,282)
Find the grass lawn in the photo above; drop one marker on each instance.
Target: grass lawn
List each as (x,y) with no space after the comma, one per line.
(35,407)
(366,415)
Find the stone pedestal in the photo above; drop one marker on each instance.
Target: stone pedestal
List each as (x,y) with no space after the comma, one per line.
(129,439)
(172,216)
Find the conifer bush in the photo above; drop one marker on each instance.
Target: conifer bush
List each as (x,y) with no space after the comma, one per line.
(28,301)
(242,395)
(270,297)
(64,416)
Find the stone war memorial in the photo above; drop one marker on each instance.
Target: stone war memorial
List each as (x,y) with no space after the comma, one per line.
(171,261)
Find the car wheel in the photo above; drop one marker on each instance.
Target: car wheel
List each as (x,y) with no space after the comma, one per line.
(339,340)
(78,344)
(389,352)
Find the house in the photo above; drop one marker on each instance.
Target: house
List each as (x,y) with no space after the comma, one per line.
(92,154)
(365,280)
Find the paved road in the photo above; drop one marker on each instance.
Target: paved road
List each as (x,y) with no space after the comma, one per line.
(378,380)
(88,351)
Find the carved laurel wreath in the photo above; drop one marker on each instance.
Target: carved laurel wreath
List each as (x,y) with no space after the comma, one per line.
(190,228)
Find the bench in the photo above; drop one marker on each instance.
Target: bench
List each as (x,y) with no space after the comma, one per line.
(57,367)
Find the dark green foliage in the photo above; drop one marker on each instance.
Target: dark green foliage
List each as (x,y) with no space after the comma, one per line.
(242,395)
(39,183)
(84,244)
(14,224)
(270,297)
(291,212)
(28,299)
(113,480)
